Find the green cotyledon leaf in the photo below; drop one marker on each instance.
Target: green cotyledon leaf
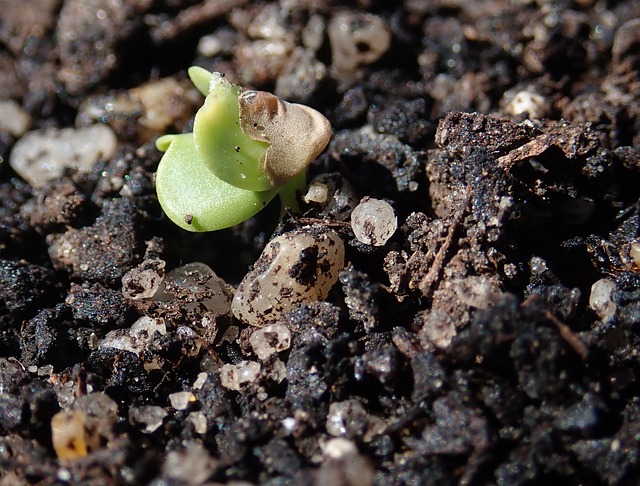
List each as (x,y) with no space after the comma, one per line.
(230,153)
(193,197)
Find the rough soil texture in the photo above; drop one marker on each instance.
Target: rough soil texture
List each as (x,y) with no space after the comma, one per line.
(493,339)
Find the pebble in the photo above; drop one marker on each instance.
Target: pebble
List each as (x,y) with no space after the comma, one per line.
(296,267)
(199,421)
(356,39)
(533,104)
(150,417)
(13,118)
(270,340)
(203,286)
(143,281)
(343,464)
(334,194)
(42,156)
(136,338)
(601,299)
(181,400)
(234,377)
(347,418)
(70,436)
(373,221)
(191,465)
(438,328)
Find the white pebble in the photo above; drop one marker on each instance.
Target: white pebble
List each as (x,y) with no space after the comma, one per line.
(41,156)
(373,221)
(181,400)
(199,421)
(601,298)
(317,193)
(13,118)
(527,102)
(296,267)
(357,39)
(338,448)
(346,418)
(438,328)
(143,281)
(477,291)
(270,340)
(204,288)
(190,465)
(136,338)
(151,416)
(538,265)
(210,45)
(200,380)
(235,377)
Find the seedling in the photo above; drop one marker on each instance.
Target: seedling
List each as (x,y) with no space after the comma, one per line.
(246,147)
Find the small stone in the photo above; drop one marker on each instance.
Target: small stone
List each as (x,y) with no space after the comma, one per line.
(70,437)
(13,118)
(373,221)
(318,192)
(192,465)
(136,338)
(601,299)
(347,418)
(98,405)
(41,156)
(270,340)
(200,380)
(534,105)
(357,39)
(538,265)
(166,103)
(278,371)
(199,421)
(197,285)
(296,267)
(235,377)
(150,417)
(182,400)
(334,194)
(209,45)
(144,281)
(343,465)
(339,448)
(477,291)
(438,328)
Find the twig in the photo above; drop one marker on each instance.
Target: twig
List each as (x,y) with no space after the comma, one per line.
(569,336)
(427,283)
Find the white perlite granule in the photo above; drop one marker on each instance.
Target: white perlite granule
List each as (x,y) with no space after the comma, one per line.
(373,221)
(41,156)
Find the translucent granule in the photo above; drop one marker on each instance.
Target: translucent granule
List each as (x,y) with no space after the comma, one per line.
(296,267)
(357,39)
(236,376)
(373,221)
(270,340)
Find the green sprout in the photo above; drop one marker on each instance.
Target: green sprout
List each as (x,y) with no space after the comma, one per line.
(246,147)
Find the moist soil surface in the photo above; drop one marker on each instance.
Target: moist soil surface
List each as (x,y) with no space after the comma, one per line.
(493,339)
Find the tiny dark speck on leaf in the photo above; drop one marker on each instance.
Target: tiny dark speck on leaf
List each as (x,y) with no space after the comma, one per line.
(188,218)
(237,147)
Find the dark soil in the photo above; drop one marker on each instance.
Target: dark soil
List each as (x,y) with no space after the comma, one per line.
(472,348)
